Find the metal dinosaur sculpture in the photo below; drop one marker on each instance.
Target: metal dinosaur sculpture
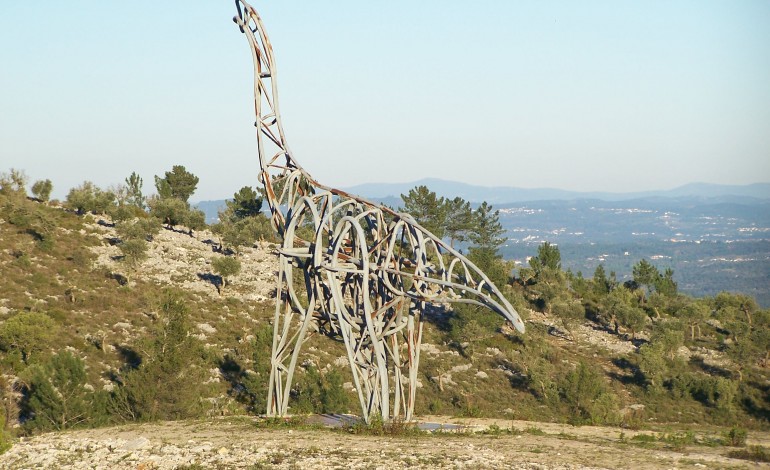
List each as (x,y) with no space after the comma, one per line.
(349,268)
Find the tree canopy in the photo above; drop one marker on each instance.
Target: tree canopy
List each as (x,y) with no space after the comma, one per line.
(487,232)
(246,203)
(426,208)
(178,183)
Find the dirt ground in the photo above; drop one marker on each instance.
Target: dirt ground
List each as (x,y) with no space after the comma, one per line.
(243,443)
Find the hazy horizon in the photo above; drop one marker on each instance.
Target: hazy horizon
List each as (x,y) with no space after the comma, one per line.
(428,180)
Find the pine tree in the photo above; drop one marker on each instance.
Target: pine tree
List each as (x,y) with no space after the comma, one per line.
(57,397)
(168,384)
(665,284)
(548,257)
(178,183)
(426,208)
(487,233)
(458,220)
(134,194)
(246,203)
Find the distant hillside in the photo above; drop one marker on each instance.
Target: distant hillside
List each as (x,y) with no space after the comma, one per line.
(211,209)
(505,194)
(390,194)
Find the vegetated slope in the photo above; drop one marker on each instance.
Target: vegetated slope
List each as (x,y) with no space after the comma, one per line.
(167,345)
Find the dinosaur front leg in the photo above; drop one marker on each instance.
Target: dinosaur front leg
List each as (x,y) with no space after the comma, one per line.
(291,322)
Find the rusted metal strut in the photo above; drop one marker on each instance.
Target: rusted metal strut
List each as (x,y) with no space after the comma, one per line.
(348,267)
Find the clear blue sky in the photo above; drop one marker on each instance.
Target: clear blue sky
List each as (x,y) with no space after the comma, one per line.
(612,96)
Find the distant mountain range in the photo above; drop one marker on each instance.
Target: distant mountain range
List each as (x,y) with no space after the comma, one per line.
(390,194)
(506,194)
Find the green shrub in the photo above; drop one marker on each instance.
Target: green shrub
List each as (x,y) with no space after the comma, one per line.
(7,413)
(570,313)
(534,431)
(139,228)
(736,437)
(631,318)
(14,183)
(753,453)
(306,392)
(235,234)
(644,438)
(134,252)
(122,212)
(31,219)
(42,189)
(333,396)
(171,211)
(587,396)
(540,380)
(5,441)
(57,397)
(471,324)
(195,219)
(465,406)
(89,198)
(168,384)
(718,392)
(605,409)
(26,333)
(653,365)
(319,393)
(226,267)
(679,440)
(435,406)
(256,384)
(495,267)
(376,427)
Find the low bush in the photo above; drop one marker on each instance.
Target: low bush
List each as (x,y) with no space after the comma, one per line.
(587,396)
(58,396)
(169,381)
(736,437)
(317,392)
(26,333)
(89,198)
(753,453)
(395,428)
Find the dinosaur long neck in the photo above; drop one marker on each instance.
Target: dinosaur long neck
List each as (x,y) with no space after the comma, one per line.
(275,158)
